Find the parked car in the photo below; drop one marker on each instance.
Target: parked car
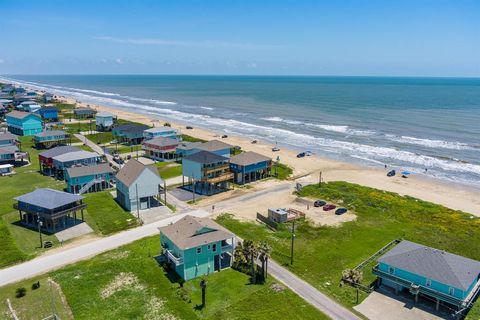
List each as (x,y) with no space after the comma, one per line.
(301,155)
(224,136)
(329,207)
(391,173)
(319,203)
(254,141)
(275,149)
(340,211)
(189,127)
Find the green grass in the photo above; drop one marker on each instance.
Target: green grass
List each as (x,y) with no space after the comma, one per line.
(153,296)
(107,215)
(323,252)
(187,138)
(121,148)
(169,170)
(281,171)
(101,137)
(36,304)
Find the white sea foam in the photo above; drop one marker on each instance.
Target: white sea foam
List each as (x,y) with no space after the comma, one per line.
(207,108)
(431,143)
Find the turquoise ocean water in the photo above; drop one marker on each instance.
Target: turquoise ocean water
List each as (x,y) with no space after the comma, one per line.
(406,123)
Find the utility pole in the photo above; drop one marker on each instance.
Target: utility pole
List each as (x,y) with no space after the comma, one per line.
(293,239)
(320,179)
(138,204)
(165,191)
(39,223)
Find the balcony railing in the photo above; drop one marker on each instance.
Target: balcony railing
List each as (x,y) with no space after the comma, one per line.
(227,247)
(207,170)
(177,260)
(223,177)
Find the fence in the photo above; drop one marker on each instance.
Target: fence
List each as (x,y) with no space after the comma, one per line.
(268,222)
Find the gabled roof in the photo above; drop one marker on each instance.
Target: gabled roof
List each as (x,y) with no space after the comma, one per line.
(58,151)
(214,145)
(189,145)
(132,127)
(89,170)
(162,142)
(132,170)
(190,232)
(8,149)
(75,155)
(49,108)
(28,102)
(247,158)
(8,136)
(451,269)
(49,133)
(21,115)
(104,114)
(160,129)
(205,157)
(83,110)
(48,198)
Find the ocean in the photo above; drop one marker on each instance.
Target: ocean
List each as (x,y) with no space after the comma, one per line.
(407,123)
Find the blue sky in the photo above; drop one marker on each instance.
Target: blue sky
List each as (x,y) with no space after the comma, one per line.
(399,38)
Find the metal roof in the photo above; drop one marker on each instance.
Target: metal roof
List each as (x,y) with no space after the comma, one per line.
(160,129)
(132,170)
(132,127)
(190,232)
(249,157)
(450,269)
(162,142)
(58,151)
(48,198)
(75,155)
(89,170)
(205,157)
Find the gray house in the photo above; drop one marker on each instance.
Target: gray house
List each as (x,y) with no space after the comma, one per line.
(138,184)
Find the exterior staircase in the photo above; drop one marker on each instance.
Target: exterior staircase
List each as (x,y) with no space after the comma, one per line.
(88,186)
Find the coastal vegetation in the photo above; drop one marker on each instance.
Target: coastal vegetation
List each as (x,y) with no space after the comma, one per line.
(321,253)
(169,170)
(187,138)
(281,171)
(129,283)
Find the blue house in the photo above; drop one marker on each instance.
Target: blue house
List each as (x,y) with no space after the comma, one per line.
(214,146)
(53,209)
(24,123)
(185,149)
(206,172)
(250,166)
(164,132)
(130,133)
(83,113)
(8,139)
(49,113)
(197,246)
(138,186)
(29,106)
(7,153)
(89,178)
(75,158)
(47,97)
(50,138)
(104,121)
(423,271)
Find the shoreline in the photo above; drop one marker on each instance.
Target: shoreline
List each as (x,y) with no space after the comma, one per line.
(454,196)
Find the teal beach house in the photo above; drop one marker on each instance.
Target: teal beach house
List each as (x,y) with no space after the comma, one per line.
(24,123)
(194,247)
(89,178)
(433,274)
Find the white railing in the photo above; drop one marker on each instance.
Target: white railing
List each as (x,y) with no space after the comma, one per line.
(88,186)
(173,258)
(227,247)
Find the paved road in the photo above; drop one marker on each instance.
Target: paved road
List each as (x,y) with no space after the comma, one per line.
(310,294)
(54,261)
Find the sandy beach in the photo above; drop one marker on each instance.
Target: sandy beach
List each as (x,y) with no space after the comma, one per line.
(308,169)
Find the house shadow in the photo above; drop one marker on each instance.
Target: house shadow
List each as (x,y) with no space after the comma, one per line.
(70,222)
(168,271)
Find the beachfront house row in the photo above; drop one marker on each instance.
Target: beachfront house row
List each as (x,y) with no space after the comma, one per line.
(8,153)
(160,148)
(440,276)
(45,159)
(76,158)
(217,147)
(54,210)
(29,106)
(19,98)
(49,113)
(130,133)
(138,186)
(47,97)
(83,113)
(104,121)
(250,166)
(50,138)
(165,132)
(24,123)
(8,139)
(92,178)
(185,149)
(197,246)
(207,173)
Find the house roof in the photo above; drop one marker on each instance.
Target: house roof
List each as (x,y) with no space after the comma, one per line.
(249,157)
(214,145)
(205,157)
(83,110)
(162,141)
(190,232)
(8,136)
(104,114)
(28,102)
(21,114)
(49,108)
(132,170)
(48,198)
(132,127)
(49,133)
(189,145)
(160,129)
(75,155)
(89,170)
(450,269)
(58,151)
(8,149)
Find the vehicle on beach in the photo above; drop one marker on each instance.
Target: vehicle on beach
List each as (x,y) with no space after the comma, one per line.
(275,149)
(189,127)
(301,155)
(224,136)
(308,153)
(329,207)
(340,211)
(319,203)
(254,141)
(391,173)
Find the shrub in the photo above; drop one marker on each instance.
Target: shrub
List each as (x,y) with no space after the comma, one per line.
(21,292)
(36,285)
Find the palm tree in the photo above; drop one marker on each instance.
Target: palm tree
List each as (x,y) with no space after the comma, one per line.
(251,250)
(353,276)
(265,251)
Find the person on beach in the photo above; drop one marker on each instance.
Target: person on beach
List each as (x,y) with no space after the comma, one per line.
(385,166)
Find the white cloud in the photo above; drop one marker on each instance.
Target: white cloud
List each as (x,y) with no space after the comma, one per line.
(207,44)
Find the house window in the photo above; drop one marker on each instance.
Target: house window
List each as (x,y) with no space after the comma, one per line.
(391,270)
(428,283)
(208,247)
(214,247)
(451,291)
(199,250)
